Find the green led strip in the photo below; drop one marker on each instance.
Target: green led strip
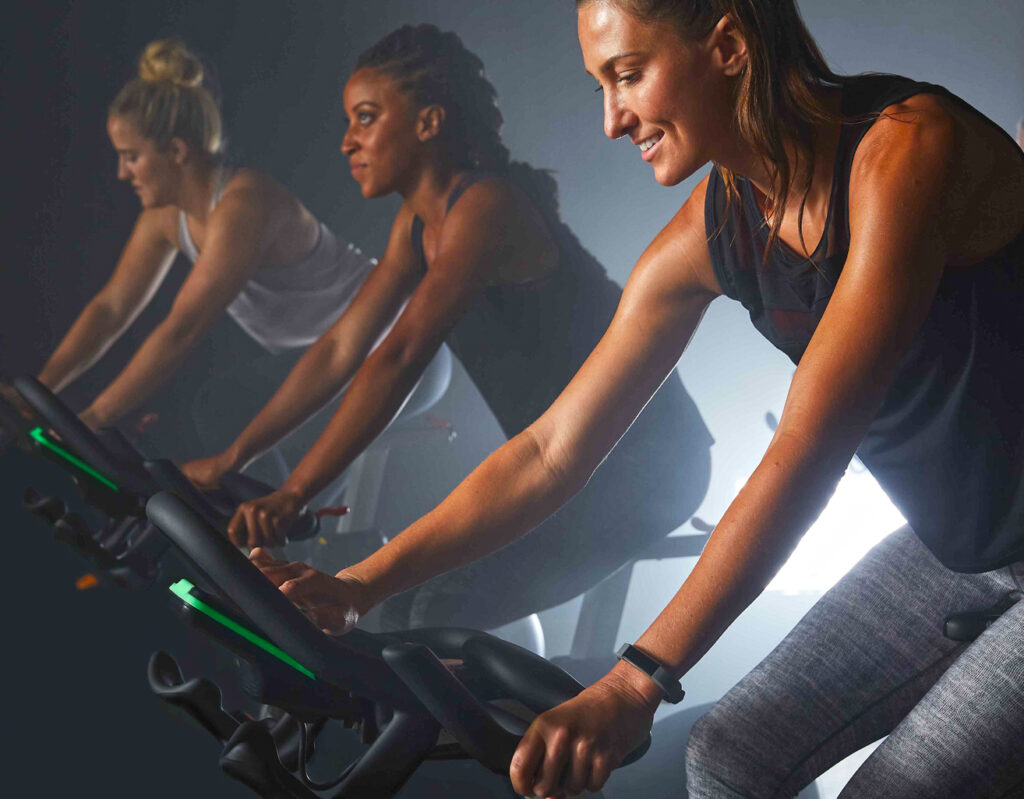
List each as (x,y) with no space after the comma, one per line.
(182,590)
(41,438)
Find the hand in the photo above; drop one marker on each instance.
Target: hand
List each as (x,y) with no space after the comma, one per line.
(265,522)
(10,393)
(205,473)
(574,747)
(334,604)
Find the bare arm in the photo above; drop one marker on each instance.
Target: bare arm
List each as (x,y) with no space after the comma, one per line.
(536,472)
(143,265)
(328,365)
(239,231)
(899,198)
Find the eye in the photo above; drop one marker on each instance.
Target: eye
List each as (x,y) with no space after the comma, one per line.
(629,78)
(364,117)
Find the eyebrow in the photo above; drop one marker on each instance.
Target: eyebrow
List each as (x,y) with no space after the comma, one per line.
(364,102)
(615,58)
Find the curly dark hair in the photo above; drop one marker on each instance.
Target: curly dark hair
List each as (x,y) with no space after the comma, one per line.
(435,67)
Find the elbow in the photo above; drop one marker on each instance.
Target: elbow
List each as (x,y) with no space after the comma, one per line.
(562,475)
(180,335)
(405,357)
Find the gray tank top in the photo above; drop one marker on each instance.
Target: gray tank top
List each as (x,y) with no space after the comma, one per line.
(290,307)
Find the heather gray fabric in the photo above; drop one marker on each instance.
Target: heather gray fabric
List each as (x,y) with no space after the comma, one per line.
(870,660)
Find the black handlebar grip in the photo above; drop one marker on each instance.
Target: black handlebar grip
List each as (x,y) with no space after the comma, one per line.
(351,661)
(452,704)
(76,434)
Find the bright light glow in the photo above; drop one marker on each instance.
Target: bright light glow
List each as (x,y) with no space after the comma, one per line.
(858,516)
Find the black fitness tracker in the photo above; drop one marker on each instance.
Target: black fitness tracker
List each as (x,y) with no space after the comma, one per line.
(669,686)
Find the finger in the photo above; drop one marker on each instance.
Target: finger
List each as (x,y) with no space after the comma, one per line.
(249,536)
(237,532)
(526,762)
(300,591)
(283,573)
(600,770)
(551,775)
(268,532)
(578,770)
(262,558)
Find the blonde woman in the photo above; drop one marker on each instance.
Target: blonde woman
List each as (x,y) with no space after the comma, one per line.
(256,251)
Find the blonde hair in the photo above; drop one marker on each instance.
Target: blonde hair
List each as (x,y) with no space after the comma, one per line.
(169,100)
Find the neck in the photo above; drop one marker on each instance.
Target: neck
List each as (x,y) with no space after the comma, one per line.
(198,183)
(427,193)
(742,160)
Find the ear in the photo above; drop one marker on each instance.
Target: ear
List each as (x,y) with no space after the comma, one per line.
(728,46)
(429,122)
(179,150)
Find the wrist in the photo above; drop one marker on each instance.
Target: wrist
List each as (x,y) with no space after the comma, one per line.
(234,458)
(626,678)
(366,600)
(294,490)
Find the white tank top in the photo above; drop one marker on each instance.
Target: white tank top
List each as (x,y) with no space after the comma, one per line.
(291,306)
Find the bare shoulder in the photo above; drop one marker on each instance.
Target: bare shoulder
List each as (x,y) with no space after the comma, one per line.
(255,186)
(681,247)
(930,143)
(912,136)
(158,225)
(491,195)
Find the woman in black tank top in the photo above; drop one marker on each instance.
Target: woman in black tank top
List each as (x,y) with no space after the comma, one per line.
(873,229)
(486,264)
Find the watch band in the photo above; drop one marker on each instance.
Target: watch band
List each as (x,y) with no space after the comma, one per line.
(669,686)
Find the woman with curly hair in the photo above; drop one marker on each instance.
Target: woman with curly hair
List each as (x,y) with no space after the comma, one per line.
(497,275)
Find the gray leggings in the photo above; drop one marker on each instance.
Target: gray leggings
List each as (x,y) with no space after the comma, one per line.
(870,660)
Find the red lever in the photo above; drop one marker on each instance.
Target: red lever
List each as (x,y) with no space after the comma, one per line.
(336,510)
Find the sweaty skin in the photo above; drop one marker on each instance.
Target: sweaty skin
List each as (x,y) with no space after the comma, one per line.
(922,196)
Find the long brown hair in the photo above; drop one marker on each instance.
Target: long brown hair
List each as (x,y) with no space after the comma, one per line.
(777,91)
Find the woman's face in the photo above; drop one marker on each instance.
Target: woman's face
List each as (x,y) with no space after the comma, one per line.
(661,90)
(153,172)
(381,142)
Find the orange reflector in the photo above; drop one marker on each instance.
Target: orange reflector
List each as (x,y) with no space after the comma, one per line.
(86,581)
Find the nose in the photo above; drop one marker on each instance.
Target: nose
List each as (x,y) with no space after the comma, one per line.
(122,170)
(348,143)
(618,119)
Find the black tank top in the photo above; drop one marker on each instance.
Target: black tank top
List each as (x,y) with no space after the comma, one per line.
(521,343)
(947,445)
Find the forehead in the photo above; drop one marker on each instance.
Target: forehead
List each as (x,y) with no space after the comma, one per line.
(371,85)
(123,132)
(606,31)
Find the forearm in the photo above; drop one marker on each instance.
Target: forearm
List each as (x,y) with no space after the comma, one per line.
(91,335)
(754,538)
(156,360)
(370,403)
(319,375)
(505,497)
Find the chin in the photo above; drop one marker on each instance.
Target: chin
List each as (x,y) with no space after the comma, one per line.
(674,172)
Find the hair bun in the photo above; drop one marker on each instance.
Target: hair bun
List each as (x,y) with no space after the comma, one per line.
(170,61)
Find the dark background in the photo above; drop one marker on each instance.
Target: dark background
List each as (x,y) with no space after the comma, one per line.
(80,717)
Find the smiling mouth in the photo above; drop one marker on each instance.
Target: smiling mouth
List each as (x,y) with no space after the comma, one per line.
(648,143)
